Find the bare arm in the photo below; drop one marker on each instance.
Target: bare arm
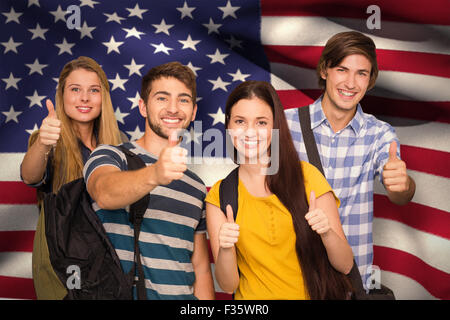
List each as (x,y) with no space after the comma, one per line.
(204,285)
(35,160)
(323,217)
(223,250)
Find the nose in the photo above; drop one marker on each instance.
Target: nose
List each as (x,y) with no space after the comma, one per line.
(350,81)
(84,95)
(172,106)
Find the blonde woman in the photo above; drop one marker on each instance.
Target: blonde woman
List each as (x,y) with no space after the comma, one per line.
(83,118)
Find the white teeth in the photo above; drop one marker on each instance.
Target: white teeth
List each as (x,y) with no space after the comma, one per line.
(171,120)
(84,109)
(347,94)
(251,143)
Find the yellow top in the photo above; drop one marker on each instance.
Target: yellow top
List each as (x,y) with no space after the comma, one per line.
(266,255)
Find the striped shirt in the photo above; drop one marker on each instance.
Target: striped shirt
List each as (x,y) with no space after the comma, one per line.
(175,213)
(351,159)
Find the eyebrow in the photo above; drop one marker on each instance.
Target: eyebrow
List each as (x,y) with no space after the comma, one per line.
(257,118)
(76,84)
(359,70)
(168,94)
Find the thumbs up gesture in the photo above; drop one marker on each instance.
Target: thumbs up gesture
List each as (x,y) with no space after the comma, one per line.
(395,178)
(317,219)
(172,161)
(50,129)
(229,231)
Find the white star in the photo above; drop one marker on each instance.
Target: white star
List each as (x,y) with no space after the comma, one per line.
(11,115)
(136,134)
(192,136)
(132,33)
(134,68)
(30,131)
(12,15)
(11,45)
(163,27)
(194,69)
(217,57)
(233,42)
(186,11)
(238,76)
(219,84)
(85,31)
(135,100)
(119,115)
(161,48)
(65,47)
(136,11)
(35,2)
(38,32)
(113,45)
(118,83)
(114,17)
(219,116)
(59,14)
(189,43)
(35,99)
(36,67)
(212,27)
(89,3)
(11,81)
(228,10)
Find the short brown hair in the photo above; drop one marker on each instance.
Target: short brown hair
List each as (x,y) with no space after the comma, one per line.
(170,69)
(342,45)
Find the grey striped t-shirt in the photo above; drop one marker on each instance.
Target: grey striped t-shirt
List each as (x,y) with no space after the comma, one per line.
(176,212)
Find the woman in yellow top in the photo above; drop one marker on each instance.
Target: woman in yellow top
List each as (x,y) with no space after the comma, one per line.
(278,248)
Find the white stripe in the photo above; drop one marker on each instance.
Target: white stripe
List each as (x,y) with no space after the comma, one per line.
(315,31)
(156,263)
(431,190)
(416,133)
(431,249)
(405,288)
(18,217)
(10,166)
(16,264)
(389,84)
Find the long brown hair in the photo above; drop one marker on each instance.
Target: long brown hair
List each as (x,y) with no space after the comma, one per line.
(67,159)
(321,279)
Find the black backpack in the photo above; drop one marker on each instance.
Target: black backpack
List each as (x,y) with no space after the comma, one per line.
(228,193)
(80,252)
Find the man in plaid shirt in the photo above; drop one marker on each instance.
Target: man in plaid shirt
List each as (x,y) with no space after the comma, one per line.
(354,147)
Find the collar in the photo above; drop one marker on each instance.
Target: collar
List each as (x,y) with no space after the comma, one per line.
(318,116)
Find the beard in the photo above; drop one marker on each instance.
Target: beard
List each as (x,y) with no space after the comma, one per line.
(157,129)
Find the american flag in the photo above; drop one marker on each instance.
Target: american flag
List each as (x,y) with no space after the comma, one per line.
(226,42)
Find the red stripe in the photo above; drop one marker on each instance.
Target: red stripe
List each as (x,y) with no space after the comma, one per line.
(390,60)
(13,192)
(16,241)
(415,215)
(421,110)
(16,288)
(223,296)
(415,11)
(433,280)
(437,162)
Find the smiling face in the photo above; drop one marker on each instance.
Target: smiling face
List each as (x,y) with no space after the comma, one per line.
(169,106)
(82,96)
(347,83)
(250,127)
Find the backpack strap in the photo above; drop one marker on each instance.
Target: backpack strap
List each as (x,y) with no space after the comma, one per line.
(137,211)
(308,138)
(228,192)
(314,159)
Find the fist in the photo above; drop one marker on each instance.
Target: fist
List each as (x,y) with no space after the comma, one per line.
(50,129)
(171,164)
(229,231)
(317,219)
(395,177)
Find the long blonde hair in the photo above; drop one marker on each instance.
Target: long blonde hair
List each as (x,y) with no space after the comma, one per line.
(67,159)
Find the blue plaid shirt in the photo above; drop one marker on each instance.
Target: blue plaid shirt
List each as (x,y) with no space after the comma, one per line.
(351,158)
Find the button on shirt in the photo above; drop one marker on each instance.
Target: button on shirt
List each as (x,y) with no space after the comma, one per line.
(351,159)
